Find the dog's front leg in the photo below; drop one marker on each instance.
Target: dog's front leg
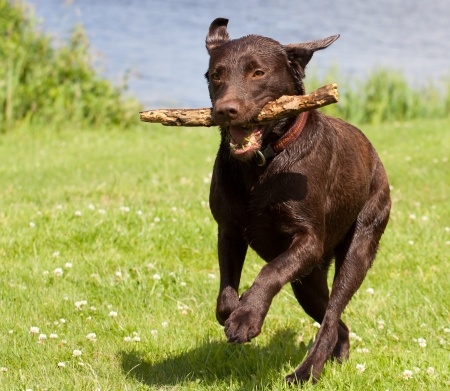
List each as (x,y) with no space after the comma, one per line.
(232,249)
(246,320)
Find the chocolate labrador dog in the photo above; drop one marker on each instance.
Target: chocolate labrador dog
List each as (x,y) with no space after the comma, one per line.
(301,192)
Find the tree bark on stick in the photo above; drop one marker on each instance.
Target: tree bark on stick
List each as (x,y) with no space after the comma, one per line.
(285,106)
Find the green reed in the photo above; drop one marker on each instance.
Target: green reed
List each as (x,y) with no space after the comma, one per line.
(40,83)
(384,96)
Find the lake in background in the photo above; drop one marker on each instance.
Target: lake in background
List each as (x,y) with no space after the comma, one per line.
(160,43)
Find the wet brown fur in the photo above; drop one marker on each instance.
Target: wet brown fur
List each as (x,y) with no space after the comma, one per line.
(325,197)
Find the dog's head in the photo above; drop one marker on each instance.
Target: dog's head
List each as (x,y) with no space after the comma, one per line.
(246,73)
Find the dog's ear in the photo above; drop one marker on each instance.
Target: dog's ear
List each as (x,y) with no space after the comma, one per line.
(217,34)
(303,52)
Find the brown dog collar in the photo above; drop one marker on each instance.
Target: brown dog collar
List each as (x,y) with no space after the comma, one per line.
(284,141)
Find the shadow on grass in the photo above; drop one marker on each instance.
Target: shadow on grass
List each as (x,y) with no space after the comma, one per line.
(218,362)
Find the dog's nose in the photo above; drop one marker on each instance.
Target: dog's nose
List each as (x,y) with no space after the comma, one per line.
(228,109)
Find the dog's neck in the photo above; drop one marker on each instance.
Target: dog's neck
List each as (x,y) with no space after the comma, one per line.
(286,139)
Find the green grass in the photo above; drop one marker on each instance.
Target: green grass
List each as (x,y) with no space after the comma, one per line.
(127,211)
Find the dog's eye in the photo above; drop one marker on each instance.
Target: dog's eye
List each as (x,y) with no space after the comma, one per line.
(258,73)
(215,76)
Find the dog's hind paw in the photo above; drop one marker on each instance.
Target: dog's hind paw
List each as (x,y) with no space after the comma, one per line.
(300,377)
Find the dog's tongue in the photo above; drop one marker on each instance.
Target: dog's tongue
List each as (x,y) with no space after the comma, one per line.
(244,142)
(239,135)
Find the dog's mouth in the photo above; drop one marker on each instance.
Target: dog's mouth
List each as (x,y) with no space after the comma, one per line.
(244,142)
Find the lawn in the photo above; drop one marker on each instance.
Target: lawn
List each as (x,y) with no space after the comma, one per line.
(108,269)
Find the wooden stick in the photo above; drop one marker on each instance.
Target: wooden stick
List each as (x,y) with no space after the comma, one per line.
(286,106)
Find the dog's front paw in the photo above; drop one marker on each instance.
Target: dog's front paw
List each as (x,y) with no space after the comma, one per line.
(227,302)
(243,324)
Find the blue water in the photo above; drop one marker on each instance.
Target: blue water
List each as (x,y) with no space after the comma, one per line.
(160,43)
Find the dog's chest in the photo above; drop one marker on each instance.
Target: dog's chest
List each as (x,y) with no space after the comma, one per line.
(270,219)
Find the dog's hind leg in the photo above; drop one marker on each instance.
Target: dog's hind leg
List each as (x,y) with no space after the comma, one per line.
(312,294)
(361,252)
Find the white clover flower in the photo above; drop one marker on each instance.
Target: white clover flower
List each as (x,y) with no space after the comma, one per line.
(355,336)
(62,320)
(102,211)
(124,209)
(32,224)
(430,371)
(136,338)
(156,277)
(127,339)
(422,342)
(68,265)
(411,242)
(156,220)
(113,314)
(34,330)
(78,213)
(55,254)
(61,364)
(407,374)
(58,272)
(381,324)
(370,291)
(76,353)
(91,337)
(79,304)
(361,367)
(154,332)
(164,324)
(53,336)
(3,369)
(412,216)
(118,274)
(362,350)
(91,207)
(316,325)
